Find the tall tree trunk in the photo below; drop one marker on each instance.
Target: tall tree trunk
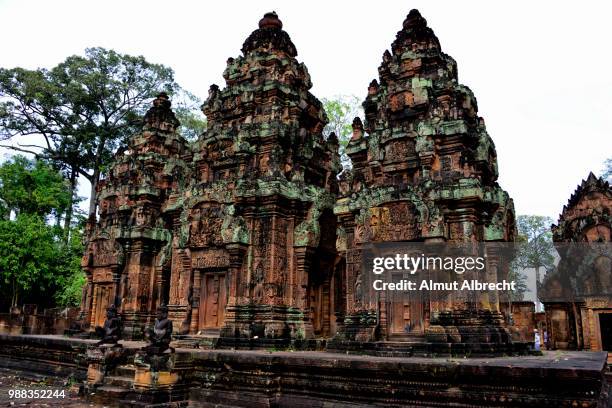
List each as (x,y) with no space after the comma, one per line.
(93,195)
(69,210)
(537,271)
(15,290)
(95,178)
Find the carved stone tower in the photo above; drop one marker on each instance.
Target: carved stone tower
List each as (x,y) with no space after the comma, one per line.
(129,245)
(258,231)
(424,169)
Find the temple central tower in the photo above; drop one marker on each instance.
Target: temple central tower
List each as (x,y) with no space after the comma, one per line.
(258,230)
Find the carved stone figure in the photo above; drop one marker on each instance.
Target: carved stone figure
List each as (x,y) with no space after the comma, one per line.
(159,336)
(110,332)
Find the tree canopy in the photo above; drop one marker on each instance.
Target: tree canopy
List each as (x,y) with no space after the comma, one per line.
(341,110)
(36,257)
(82,110)
(536,245)
(606,174)
(26,253)
(32,187)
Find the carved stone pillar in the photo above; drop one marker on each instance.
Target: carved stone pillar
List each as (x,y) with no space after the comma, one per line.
(237,252)
(85,314)
(195,302)
(303,260)
(180,278)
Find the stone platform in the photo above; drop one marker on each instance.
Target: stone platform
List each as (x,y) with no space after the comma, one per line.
(232,378)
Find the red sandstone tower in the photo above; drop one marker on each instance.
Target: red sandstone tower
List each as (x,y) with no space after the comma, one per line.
(424,170)
(128,254)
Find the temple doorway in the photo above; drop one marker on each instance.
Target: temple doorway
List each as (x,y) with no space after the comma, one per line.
(405,310)
(323,279)
(321,307)
(605,328)
(322,294)
(103,298)
(213,299)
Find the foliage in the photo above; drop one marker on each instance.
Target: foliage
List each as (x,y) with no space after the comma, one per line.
(27,253)
(520,281)
(341,110)
(32,187)
(187,110)
(70,277)
(82,110)
(536,247)
(516,274)
(606,174)
(4,211)
(36,258)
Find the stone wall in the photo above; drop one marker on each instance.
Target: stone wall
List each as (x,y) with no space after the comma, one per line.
(311,379)
(28,320)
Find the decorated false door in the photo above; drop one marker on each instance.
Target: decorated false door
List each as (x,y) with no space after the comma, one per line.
(405,309)
(103,298)
(213,299)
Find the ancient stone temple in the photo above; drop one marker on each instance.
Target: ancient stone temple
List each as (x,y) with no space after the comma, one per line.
(246,234)
(239,258)
(424,169)
(576,294)
(237,233)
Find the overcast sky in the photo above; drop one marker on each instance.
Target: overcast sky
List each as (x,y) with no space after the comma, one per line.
(541,71)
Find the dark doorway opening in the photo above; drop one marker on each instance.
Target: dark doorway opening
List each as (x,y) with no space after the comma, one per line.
(605,328)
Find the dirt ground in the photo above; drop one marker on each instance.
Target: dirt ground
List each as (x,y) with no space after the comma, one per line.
(17,380)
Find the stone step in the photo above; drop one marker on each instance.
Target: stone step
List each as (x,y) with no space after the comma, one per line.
(107,395)
(205,342)
(123,382)
(125,371)
(398,343)
(111,389)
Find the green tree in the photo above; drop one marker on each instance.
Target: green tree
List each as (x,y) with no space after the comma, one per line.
(341,110)
(82,110)
(69,277)
(4,211)
(536,249)
(606,174)
(27,253)
(517,273)
(188,112)
(36,257)
(33,187)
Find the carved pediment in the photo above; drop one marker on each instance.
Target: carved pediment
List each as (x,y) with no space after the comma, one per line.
(205,227)
(393,222)
(398,151)
(103,252)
